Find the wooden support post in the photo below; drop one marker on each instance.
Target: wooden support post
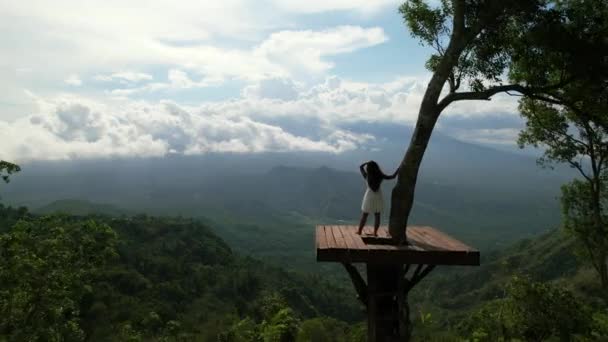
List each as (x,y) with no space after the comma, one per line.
(382,307)
(385,295)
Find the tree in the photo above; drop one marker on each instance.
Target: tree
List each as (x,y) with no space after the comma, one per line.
(571,124)
(7,169)
(475,42)
(46,269)
(585,215)
(531,311)
(323,329)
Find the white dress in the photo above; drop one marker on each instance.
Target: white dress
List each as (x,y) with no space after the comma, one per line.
(372,201)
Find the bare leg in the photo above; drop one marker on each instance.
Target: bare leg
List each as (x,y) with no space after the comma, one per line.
(376,223)
(362,222)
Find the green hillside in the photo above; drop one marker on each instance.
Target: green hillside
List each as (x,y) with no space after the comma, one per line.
(175,279)
(169,277)
(453,293)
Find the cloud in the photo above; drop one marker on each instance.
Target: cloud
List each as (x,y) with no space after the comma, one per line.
(124,77)
(316,6)
(215,40)
(276,114)
(303,50)
(79,128)
(332,102)
(176,80)
(73,80)
(338,102)
(273,88)
(488,136)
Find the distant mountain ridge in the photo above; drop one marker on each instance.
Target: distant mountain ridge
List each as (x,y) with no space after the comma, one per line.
(483,195)
(477,214)
(81,208)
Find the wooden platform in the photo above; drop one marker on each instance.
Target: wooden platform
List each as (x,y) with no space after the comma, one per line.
(427,246)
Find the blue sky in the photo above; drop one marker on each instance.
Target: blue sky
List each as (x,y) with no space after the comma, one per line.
(146,78)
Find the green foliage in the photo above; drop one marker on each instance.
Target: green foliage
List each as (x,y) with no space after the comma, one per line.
(599,327)
(570,121)
(280,323)
(578,217)
(7,169)
(281,327)
(145,278)
(425,22)
(531,311)
(575,60)
(46,272)
(481,50)
(166,279)
(324,329)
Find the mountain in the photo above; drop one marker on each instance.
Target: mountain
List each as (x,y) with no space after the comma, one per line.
(486,197)
(81,208)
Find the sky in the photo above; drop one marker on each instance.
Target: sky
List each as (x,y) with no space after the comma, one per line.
(138,78)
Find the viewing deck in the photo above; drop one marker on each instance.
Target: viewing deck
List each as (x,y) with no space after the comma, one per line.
(427,246)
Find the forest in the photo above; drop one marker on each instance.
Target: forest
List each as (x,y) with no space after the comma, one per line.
(138,278)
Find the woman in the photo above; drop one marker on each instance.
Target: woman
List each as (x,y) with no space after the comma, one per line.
(372,200)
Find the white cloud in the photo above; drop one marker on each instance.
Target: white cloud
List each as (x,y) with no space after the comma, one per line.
(276,114)
(73,80)
(316,6)
(489,136)
(124,77)
(176,80)
(273,88)
(217,40)
(79,128)
(335,101)
(304,50)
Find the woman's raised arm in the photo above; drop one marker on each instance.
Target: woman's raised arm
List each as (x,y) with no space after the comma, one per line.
(362,169)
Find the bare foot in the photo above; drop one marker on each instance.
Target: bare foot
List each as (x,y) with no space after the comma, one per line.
(358,232)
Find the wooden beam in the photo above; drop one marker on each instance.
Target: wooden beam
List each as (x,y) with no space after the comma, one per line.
(358,282)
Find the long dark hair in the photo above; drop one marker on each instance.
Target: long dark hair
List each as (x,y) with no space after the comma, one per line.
(374,175)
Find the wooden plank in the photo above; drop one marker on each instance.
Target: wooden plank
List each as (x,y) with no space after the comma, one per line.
(457,244)
(425,242)
(355,238)
(383,232)
(434,241)
(331,242)
(414,237)
(403,256)
(320,238)
(350,244)
(445,241)
(340,243)
(343,245)
(366,229)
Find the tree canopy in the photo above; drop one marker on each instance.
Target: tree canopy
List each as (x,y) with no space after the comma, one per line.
(7,169)
(483,48)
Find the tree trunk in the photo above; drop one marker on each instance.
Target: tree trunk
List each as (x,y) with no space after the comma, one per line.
(604,271)
(602,256)
(402,196)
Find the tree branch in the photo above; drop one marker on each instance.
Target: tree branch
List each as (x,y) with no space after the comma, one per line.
(488,93)
(580,169)
(480,95)
(459,24)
